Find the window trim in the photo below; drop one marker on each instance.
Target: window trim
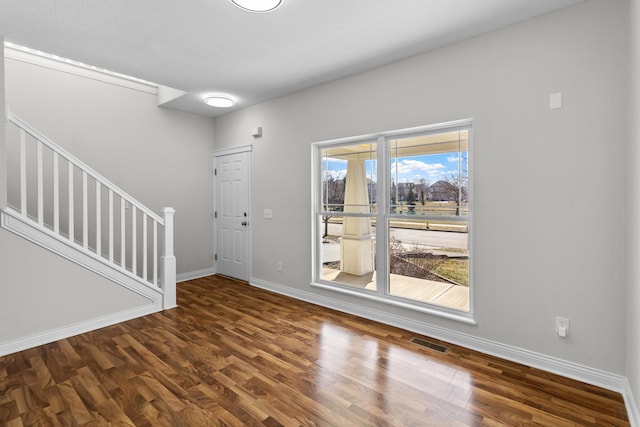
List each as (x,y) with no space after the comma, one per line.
(382,240)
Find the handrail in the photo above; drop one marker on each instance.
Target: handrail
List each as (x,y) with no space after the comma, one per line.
(13,118)
(141,254)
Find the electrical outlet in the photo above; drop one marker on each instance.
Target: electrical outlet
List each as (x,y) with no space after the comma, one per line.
(279,265)
(562,327)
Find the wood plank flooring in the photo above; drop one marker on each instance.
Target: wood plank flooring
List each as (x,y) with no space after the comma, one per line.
(234,355)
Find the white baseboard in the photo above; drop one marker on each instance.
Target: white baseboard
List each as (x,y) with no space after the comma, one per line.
(77,328)
(190,275)
(565,368)
(632,407)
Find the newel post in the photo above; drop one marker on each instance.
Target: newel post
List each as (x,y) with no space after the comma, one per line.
(168,261)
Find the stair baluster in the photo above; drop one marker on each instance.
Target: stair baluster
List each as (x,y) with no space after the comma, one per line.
(36,195)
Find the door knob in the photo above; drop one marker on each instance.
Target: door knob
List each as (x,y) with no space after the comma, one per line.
(244,223)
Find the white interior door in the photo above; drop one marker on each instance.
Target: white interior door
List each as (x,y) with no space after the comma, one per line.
(231,215)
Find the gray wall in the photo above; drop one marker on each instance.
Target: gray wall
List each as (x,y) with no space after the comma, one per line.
(3,192)
(549,185)
(633,254)
(40,291)
(161,157)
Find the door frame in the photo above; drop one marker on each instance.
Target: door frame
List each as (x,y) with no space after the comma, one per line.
(226,152)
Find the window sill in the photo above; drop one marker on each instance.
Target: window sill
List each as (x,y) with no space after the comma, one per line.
(443,312)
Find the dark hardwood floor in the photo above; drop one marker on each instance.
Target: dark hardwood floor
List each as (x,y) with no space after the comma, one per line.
(234,355)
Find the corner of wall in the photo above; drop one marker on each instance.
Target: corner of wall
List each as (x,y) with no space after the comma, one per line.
(632,221)
(3,114)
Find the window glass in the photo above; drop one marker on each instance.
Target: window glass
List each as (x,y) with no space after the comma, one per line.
(428,252)
(348,192)
(356,163)
(429,262)
(429,174)
(348,251)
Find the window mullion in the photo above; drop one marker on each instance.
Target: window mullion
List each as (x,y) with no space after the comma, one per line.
(382,232)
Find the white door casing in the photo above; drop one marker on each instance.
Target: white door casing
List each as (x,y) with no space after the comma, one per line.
(231,214)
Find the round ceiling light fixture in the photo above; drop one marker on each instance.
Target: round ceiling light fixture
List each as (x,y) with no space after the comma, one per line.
(219,101)
(257,5)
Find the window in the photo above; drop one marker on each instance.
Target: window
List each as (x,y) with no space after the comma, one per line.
(392,217)
(348,214)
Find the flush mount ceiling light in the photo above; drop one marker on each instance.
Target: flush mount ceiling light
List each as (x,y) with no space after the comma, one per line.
(219,101)
(257,5)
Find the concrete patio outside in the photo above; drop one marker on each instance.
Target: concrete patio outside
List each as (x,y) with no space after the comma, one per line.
(439,293)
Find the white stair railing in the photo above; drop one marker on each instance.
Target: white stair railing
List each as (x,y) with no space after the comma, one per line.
(49,188)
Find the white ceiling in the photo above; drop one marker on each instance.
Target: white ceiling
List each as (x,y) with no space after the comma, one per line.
(207,46)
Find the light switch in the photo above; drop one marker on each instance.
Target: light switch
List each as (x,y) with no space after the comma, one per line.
(555,100)
(268,214)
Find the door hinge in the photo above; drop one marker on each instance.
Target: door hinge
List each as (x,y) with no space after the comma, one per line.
(215,171)
(215,214)
(215,257)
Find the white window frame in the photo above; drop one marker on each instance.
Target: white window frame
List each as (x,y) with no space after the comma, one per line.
(382,215)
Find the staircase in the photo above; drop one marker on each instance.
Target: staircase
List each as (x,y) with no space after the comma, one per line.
(61,204)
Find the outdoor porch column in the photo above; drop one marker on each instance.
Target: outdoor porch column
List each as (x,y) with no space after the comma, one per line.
(357,243)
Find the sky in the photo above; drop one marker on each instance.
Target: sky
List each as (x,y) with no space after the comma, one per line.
(431,168)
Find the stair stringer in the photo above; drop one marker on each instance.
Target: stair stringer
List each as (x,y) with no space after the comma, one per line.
(12,221)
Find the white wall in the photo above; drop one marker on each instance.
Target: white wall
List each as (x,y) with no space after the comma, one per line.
(549,185)
(161,157)
(633,219)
